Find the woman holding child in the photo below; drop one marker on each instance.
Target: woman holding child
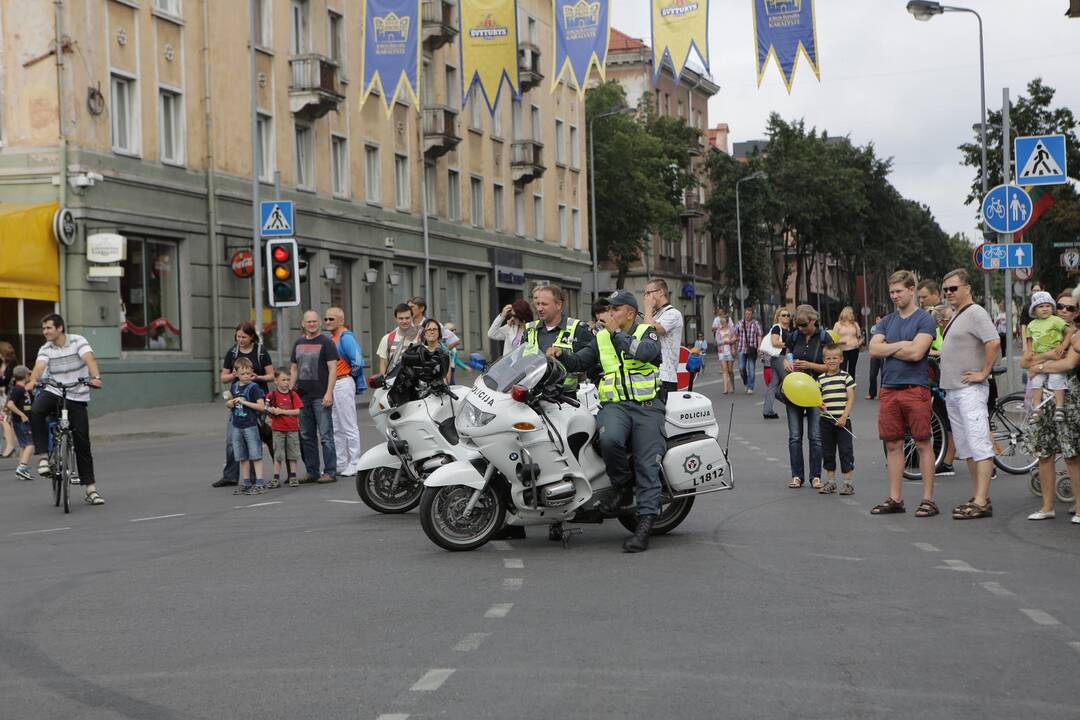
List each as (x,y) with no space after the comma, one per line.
(247,346)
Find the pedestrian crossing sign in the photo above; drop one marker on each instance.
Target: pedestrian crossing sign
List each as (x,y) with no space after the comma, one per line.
(276,218)
(1040,160)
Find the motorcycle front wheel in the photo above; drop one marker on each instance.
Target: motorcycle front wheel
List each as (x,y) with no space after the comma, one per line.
(388,490)
(671,516)
(444,522)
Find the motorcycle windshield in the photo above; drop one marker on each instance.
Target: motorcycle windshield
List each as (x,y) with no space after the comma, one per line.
(524,366)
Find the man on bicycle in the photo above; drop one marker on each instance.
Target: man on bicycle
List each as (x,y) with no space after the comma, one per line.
(67,358)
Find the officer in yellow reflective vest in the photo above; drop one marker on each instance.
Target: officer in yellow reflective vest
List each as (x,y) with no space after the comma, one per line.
(632,410)
(551,329)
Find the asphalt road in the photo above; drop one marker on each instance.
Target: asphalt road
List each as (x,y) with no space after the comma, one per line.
(176,600)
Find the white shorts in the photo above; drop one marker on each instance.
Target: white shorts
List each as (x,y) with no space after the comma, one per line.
(1051,381)
(970,422)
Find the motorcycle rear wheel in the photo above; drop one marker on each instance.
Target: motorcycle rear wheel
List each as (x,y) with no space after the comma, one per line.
(671,516)
(375,488)
(441,516)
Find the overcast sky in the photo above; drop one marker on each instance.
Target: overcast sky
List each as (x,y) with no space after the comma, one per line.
(910,87)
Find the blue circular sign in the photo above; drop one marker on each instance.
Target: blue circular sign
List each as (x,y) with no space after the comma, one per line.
(1007,208)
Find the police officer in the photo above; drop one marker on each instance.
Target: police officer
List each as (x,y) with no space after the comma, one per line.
(631,412)
(551,329)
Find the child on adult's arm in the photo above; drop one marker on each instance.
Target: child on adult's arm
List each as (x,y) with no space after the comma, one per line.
(1047,333)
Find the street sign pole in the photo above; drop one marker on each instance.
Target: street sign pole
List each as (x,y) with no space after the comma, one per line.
(280,311)
(256,238)
(1006,146)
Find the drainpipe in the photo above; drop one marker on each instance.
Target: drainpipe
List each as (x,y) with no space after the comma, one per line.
(58,18)
(214,251)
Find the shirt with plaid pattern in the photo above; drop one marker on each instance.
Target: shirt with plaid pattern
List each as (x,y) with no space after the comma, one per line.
(749,335)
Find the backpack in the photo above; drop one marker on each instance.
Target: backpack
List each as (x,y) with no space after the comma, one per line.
(356,363)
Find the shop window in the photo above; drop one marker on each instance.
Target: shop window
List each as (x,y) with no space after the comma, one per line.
(341,285)
(150,296)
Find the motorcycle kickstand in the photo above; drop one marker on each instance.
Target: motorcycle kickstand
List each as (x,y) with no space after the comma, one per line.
(564,533)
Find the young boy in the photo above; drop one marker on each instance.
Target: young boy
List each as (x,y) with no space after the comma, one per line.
(1045,333)
(837,401)
(18,405)
(284,407)
(245,402)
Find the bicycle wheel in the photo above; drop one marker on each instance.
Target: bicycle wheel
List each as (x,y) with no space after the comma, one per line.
(911,450)
(67,467)
(1008,424)
(55,477)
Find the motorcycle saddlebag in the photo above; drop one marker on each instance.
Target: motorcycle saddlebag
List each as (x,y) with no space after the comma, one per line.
(696,465)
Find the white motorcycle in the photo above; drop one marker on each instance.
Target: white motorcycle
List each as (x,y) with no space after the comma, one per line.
(414,410)
(541,464)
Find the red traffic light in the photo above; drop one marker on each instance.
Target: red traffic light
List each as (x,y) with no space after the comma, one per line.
(281,254)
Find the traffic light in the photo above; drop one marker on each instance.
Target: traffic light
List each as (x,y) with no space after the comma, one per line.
(283,273)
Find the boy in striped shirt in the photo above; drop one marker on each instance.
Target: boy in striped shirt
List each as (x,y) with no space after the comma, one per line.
(837,401)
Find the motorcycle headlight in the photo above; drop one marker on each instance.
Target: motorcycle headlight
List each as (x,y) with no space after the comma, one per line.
(476,417)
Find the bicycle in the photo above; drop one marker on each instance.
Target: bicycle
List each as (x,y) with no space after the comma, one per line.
(62,466)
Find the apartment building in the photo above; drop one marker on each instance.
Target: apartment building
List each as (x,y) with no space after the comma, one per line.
(141,126)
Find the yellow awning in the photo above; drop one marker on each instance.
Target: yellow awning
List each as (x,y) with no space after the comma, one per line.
(29,256)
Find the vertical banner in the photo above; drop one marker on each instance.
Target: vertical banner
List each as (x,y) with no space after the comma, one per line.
(678,26)
(391,50)
(781,28)
(489,48)
(581,39)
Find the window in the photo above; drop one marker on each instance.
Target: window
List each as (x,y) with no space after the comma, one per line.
(560,142)
(171,131)
(538,216)
(263,27)
(305,157)
(372,176)
(562,225)
(452,88)
(427,85)
(575,221)
(476,109)
(264,160)
(402,189)
(516,120)
(497,208)
(476,201)
(341,286)
(453,195)
(172,7)
(496,123)
(431,182)
(300,41)
(124,120)
(534,32)
(537,131)
(339,165)
(519,213)
(454,285)
(336,28)
(403,291)
(150,296)
(575,151)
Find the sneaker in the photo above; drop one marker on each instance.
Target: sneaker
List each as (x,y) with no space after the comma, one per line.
(993,473)
(43,468)
(242,490)
(273,484)
(749,391)
(828,488)
(23,472)
(257,490)
(294,482)
(308,479)
(326,479)
(1075,520)
(944,470)
(1041,515)
(222,482)
(847,489)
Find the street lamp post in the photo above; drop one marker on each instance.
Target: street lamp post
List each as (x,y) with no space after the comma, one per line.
(738,232)
(924,10)
(592,196)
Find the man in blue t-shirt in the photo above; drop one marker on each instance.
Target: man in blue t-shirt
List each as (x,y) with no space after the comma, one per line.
(902,339)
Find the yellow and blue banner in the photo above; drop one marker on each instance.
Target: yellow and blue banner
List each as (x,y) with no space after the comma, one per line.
(581,40)
(679,26)
(489,48)
(782,28)
(391,51)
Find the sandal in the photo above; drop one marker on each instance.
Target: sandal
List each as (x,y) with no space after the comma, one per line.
(816,483)
(847,489)
(972,511)
(889,507)
(828,488)
(795,483)
(92,498)
(927,508)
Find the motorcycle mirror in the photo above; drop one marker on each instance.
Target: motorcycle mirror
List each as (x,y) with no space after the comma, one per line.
(376,381)
(519,394)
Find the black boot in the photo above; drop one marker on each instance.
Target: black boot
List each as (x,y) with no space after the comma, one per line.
(617,499)
(640,541)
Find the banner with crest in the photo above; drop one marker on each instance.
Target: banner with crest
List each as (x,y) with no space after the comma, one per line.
(679,26)
(782,28)
(391,51)
(489,48)
(581,40)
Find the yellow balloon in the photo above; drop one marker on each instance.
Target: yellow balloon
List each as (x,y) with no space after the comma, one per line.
(834,335)
(802,390)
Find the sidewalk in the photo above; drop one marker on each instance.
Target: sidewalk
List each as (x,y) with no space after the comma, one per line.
(169,421)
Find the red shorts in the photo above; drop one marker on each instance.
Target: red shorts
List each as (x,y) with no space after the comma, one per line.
(904,410)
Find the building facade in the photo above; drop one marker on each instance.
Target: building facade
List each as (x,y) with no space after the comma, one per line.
(142,125)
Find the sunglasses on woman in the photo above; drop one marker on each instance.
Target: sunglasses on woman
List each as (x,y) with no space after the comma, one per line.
(1068,308)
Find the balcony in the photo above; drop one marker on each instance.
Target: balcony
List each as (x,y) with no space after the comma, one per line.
(526,160)
(439,22)
(692,205)
(440,131)
(529,72)
(315,89)
(697,146)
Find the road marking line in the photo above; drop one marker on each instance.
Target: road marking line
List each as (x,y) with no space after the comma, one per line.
(347,502)
(157,517)
(499,610)
(894,528)
(1041,617)
(36,532)
(926,547)
(849,501)
(772,459)
(744,442)
(837,557)
(513,563)
(500,545)
(470,642)
(393,716)
(961,566)
(432,680)
(996,589)
(512,583)
(1075,646)
(262,504)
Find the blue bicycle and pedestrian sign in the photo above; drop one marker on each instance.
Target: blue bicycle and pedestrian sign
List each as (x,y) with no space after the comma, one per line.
(1041,160)
(1005,257)
(1007,208)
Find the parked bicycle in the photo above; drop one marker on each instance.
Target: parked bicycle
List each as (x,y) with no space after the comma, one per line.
(62,466)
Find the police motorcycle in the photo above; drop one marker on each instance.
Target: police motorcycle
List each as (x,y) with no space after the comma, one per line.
(541,463)
(414,410)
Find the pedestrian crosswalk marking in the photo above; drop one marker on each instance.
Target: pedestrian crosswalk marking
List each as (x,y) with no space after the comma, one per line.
(1040,164)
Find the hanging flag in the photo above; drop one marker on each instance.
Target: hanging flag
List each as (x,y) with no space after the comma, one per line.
(581,39)
(391,51)
(489,48)
(782,27)
(1042,199)
(677,27)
